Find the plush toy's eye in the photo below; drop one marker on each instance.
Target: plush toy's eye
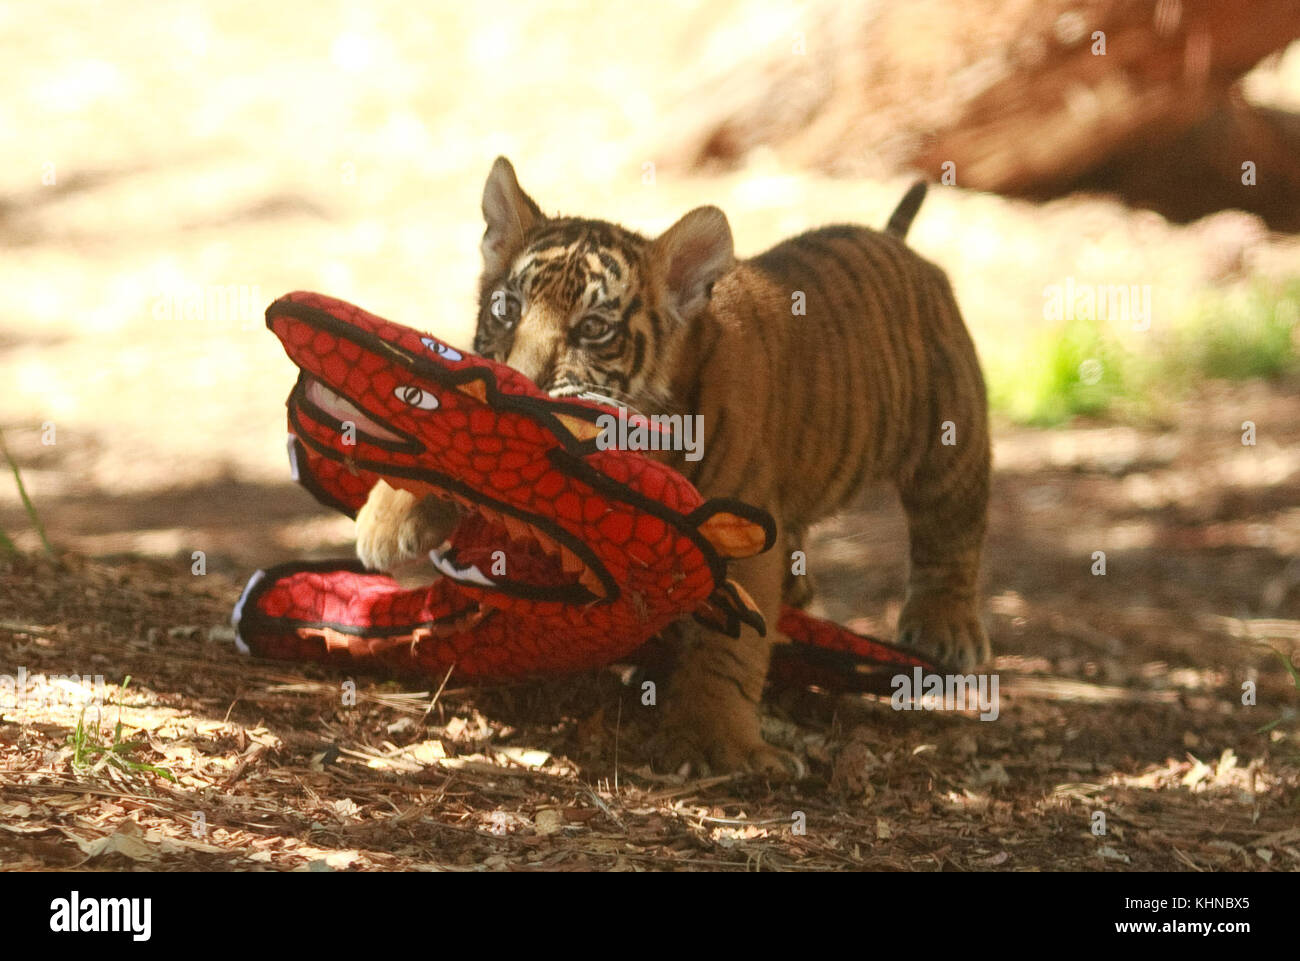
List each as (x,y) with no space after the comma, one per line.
(451,353)
(410,394)
(594,329)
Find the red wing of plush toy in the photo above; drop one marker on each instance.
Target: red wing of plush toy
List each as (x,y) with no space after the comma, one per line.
(568,556)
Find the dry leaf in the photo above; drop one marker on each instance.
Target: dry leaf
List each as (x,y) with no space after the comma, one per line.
(126,840)
(27,828)
(180,845)
(342,860)
(548,821)
(345,808)
(427,752)
(528,757)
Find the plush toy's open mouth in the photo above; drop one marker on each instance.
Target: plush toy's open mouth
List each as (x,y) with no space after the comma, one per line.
(490,548)
(493,546)
(339,407)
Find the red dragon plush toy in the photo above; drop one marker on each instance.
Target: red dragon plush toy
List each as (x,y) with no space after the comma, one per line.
(568,556)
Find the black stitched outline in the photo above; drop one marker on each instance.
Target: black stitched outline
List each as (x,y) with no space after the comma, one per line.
(801,663)
(685,524)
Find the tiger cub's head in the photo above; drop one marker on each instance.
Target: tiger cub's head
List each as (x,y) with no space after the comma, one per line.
(586,306)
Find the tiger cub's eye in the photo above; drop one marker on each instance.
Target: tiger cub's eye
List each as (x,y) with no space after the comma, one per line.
(505,309)
(595,328)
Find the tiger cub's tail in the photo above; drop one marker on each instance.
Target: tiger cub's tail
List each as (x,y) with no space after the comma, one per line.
(905,212)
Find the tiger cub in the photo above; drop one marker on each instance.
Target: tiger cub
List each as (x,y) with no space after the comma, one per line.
(836,358)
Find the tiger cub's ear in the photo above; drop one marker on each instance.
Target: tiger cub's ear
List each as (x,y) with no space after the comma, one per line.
(509,214)
(690,256)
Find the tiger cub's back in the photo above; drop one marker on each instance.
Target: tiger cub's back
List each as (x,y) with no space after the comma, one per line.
(865,355)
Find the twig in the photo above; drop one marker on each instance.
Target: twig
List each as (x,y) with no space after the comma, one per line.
(248,758)
(1189,862)
(618,730)
(438,693)
(605,808)
(18,627)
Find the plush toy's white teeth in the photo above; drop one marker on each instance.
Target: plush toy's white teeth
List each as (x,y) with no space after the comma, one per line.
(438,554)
(238,614)
(469,574)
(570,563)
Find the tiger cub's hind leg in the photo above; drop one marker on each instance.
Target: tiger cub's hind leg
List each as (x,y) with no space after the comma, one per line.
(946,502)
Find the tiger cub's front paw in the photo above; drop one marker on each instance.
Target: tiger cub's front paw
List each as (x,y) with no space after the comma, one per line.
(690,752)
(394,527)
(944,630)
(717,734)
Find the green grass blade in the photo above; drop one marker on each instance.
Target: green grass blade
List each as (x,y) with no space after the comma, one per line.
(1268,727)
(1290,668)
(27,501)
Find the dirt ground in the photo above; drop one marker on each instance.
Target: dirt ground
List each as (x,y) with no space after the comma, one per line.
(1119,694)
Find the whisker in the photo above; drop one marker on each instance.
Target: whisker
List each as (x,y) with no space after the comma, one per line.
(601,393)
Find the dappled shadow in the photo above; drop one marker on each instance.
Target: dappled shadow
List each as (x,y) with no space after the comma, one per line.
(238,525)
